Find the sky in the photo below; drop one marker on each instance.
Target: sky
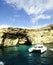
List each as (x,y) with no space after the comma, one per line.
(26,13)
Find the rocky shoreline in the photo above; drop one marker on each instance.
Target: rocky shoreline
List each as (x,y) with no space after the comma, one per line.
(18,36)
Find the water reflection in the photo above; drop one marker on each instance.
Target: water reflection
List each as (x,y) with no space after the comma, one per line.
(34,58)
(21,56)
(1,52)
(41,59)
(8,50)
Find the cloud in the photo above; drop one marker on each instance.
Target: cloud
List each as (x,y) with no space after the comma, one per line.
(40,26)
(41,16)
(33,27)
(4,26)
(49,4)
(33,7)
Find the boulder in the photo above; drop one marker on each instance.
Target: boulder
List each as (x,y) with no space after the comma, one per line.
(10,42)
(22,41)
(15,42)
(1,34)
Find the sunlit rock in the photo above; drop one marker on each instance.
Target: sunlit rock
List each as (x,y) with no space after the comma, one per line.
(18,36)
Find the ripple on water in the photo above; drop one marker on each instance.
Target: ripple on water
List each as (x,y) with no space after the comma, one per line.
(21,56)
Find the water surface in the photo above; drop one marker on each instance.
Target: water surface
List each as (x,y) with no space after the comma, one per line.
(21,56)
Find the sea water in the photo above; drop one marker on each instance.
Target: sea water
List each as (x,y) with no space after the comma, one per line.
(21,56)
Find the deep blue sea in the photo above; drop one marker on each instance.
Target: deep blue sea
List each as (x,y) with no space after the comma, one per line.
(21,56)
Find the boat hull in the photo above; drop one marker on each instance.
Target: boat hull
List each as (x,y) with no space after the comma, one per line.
(38,50)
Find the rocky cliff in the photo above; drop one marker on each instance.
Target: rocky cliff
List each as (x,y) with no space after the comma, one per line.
(18,36)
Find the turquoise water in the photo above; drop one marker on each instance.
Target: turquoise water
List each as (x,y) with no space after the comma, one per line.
(21,56)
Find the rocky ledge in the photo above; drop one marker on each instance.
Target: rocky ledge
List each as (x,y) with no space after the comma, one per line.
(18,36)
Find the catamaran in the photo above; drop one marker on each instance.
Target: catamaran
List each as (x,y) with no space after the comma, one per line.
(38,48)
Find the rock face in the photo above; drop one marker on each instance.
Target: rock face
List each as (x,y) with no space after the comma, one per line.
(18,36)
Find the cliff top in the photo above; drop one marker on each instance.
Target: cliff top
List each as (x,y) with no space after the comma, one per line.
(15,30)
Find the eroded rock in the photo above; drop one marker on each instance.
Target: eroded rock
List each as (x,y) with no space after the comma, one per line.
(10,42)
(18,36)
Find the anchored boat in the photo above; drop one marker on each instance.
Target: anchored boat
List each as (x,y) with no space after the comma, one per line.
(38,48)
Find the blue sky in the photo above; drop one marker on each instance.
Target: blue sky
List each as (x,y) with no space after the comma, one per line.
(25,13)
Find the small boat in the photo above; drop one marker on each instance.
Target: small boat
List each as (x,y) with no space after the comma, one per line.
(51,49)
(38,48)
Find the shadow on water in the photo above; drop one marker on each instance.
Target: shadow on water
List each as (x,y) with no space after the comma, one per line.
(21,56)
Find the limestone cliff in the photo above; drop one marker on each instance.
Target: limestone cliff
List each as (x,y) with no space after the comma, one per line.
(18,36)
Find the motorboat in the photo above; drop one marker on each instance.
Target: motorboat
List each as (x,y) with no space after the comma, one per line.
(38,48)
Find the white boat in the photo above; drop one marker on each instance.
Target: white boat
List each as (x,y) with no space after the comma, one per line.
(51,49)
(38,48)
